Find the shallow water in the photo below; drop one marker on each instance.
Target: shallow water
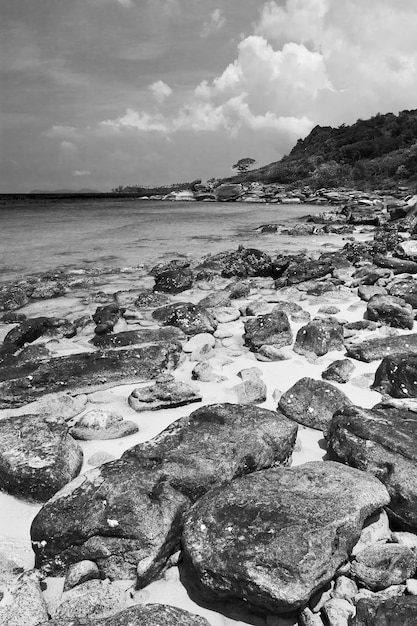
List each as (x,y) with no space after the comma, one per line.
(42,233)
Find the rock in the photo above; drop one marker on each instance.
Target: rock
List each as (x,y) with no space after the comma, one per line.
(12,298)
(312,402)
(12,318)
(381,441)
(257,307)
(168,334)
(174,280)
(345,588)
(390,310)
(85,371)
(407,249)
(79,573)
(306,270)
(275,537)
(101,424)
(106,318)
(366,292)
(151,300)
(37,456)
(398,266)
(369,274)
(33,353)
(400,611)
(397,376)
(405,539)
(31,329)
(163,395)
(270,353)
(250,391)
(198,341)
(406,289)
(220,298)
(23,603)
(380,566)
(227,192)
(143,615)
(48,289)
(337,612)
(329,310)
(339,371)
(204,372)
(239,289)
(308,618)
(375,530)
(223,315)
(91,600)
(100,457)
(319,337)
(127,514)
(375,349)
(272,329)
(242,262)
(190,318)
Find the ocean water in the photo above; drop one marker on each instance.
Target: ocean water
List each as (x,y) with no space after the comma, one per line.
(42,233)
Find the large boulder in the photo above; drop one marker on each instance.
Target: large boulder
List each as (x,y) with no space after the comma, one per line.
(307,270)
(375,349)
(127,515)
(191,318)
(37,456)
(390,310)
(241,262)
(405,288)
(398,266)
(173,280)
(141,615)
(319,337)
(380,566)
(375,611)
(22,602)
(397,376)
(31,329)
(312,402)
(106,318)
(168,334)
(227,192)
(271,539)
(270,329)
(88,371)
(383,442)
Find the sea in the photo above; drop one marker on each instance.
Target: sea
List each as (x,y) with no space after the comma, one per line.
(39,233)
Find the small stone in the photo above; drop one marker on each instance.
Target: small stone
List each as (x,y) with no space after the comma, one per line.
(100,457)
(271,353)
(226,314)
(375,530)
(93,599)
(204,372)
(338,612)
(345,588)
(202,339)
(202,353)
(79,573)
(250,391)
(339,371)
(163,395)
(378,567)
(411,586)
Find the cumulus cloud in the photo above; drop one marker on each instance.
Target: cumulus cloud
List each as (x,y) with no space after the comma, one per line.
(160,91)
(216,22)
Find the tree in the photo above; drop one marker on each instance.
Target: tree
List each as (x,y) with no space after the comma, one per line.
(244,164)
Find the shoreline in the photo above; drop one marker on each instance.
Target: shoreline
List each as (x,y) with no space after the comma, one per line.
(229,355)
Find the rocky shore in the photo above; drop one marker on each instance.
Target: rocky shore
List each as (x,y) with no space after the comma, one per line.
(228,440)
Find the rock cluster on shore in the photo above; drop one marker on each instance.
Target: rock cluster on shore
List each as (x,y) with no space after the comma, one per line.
(331,541)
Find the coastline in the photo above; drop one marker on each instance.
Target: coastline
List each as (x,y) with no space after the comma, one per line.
(229,355)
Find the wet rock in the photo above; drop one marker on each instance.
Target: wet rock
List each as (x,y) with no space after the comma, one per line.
(37,456)
(378,567)
(150,300)
(390,310)
(339,371)
(190,318)
(88,371)
(79,573)
(91,600)
(31,329)
(397,376)
(398,266)
(405,288)
(242,262)
(23,602)
(375,349)
(173,280)
(163,395)
(395,611)
(300,272)
(106,318)
(168,334)
(101,424)
(275,537)
(272,329)
(381,441)
(319,337)
(127,514)
(312,402)
(48,289)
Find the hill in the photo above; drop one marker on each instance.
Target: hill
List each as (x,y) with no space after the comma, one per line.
(377,153)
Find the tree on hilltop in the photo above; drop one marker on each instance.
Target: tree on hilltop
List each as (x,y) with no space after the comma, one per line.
(244,164)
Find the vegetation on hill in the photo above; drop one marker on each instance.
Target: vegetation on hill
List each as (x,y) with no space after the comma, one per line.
(377,153)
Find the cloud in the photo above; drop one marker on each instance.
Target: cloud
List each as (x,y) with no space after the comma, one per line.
(62,131)
(81,173)
(216,22)
(160,91)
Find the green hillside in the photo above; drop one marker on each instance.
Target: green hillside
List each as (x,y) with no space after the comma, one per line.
(377,153)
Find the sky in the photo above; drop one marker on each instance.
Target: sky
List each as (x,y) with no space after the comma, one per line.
(101,93)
